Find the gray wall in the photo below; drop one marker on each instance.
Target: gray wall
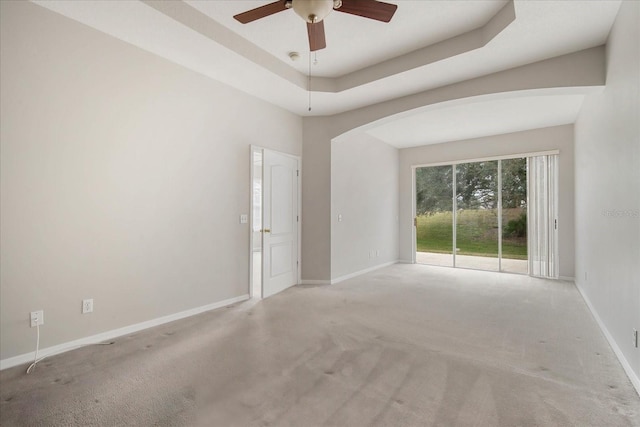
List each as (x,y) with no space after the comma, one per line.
(608,190)
(559,137)
(316,199)
(565,74)
(123,178)
(364,191)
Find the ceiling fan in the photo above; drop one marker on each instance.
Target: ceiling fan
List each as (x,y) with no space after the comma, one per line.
(314,11)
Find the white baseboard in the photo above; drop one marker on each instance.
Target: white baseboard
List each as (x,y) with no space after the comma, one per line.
(361,272)
(105,336)
(315,282)
(635,380)
(567,278)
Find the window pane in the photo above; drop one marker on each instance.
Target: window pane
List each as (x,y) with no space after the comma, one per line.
(477,215)
(514,216)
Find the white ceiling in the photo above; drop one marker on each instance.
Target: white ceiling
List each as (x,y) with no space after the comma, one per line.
(477,119)
(203,36)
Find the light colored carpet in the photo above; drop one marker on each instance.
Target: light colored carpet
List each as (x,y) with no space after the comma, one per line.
(408,345)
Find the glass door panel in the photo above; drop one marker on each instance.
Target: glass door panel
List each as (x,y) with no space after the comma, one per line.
(477,225)
(514,216)
(434,215)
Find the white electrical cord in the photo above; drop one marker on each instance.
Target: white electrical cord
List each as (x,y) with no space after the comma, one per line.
(37,360)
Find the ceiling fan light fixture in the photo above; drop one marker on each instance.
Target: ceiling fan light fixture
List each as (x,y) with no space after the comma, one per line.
(313,11)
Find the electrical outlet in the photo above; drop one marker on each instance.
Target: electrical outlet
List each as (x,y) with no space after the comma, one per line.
(87,306)
(37,318)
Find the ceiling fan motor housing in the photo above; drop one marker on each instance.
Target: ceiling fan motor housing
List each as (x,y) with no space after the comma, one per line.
(313,11)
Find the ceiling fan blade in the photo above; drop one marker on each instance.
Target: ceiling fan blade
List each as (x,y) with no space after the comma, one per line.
(261,12)
(316,36)
(371,9)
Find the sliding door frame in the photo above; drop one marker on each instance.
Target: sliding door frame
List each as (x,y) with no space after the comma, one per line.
(454,212)
(414,221)
(453,164)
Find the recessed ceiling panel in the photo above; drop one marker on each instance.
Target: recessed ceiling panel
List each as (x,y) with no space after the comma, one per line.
(354,42)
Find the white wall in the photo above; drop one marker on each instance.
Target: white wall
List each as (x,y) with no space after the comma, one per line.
(123,178)
(608,192)
(364,192)
(537,140)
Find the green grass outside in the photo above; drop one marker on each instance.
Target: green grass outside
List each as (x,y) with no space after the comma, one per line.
(477,234)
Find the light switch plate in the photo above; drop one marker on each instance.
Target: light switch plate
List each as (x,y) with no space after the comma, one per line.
(244,218)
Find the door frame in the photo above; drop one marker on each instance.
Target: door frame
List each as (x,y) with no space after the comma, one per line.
(258,148)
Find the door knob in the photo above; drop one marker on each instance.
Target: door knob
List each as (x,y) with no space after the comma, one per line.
(267,230)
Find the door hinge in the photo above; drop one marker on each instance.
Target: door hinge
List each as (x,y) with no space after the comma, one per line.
(298,172)
(415,221)
(297,218)
(555,224)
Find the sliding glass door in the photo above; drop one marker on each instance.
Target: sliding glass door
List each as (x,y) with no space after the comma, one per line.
(489,215)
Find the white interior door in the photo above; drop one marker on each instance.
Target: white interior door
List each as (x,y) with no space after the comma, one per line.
(280,223)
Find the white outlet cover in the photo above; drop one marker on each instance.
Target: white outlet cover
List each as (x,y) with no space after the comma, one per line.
(87,306)
(37,318)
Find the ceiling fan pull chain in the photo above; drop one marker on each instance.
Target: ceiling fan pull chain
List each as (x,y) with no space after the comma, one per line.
(309,81)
